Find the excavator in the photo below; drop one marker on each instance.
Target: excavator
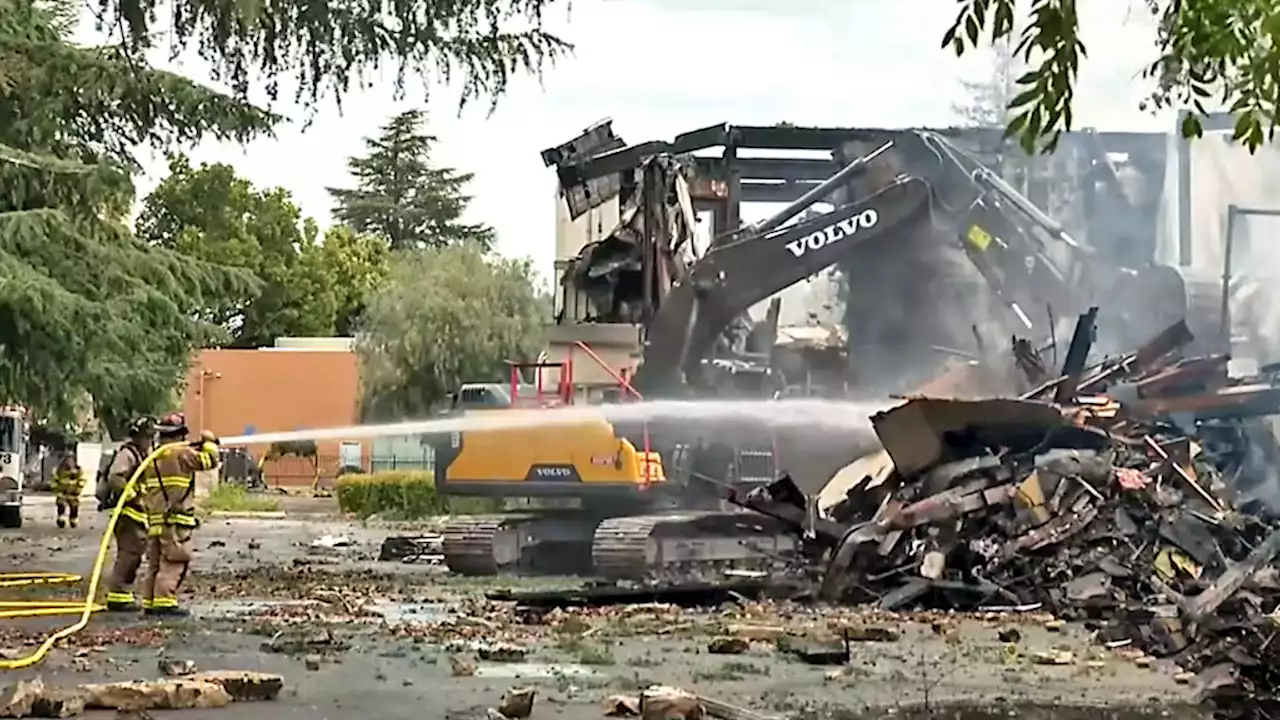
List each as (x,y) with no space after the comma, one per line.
(623,516)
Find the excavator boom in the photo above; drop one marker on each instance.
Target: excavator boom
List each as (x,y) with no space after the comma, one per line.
(734,276)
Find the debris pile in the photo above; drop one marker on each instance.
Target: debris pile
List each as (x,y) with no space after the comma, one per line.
(1131,494)
(192,691)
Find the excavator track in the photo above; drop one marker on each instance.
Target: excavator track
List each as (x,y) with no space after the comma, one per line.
(687,544)
(545,543)
(470,542)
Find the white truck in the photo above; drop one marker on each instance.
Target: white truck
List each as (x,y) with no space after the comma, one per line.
(13,444)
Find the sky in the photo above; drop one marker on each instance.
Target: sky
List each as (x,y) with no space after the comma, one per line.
(661,67)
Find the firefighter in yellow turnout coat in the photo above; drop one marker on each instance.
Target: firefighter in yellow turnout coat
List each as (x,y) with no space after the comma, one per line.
(168,494)
(131,527)
(67,484)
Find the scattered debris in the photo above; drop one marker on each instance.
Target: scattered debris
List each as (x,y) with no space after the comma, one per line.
(517,703)
(1131,499)
(1053,657)
(461,667)
(173,694)
(411,549)
(32,698)
(680,594)
(661,702)
(176,668)
(624,706)
(725,645)
(331,542)
(501,652)
(17,700)
(304,641)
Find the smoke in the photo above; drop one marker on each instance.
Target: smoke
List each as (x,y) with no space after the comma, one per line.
(912,305)
(1222,174)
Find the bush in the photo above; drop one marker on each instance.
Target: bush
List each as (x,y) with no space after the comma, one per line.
(229,497)
(401,494)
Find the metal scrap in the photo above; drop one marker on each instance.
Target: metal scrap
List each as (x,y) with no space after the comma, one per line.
(1133,501)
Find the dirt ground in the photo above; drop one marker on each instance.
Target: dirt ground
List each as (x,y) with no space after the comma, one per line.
(356,638)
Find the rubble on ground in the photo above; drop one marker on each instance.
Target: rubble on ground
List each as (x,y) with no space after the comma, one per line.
(200,690)
(661,702)
(1131,495)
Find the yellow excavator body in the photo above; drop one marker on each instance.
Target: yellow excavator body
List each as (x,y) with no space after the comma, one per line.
(543,459)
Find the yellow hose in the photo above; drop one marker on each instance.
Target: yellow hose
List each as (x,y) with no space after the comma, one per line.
(37,608)
(86,607)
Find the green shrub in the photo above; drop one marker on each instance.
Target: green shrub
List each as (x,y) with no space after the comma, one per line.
(228,497)
(401,494)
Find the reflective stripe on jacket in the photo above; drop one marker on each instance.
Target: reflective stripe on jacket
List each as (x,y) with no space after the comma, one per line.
(125,463)
(68,483)
(168,485)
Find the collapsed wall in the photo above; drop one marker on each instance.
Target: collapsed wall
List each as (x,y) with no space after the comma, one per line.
(1222,174)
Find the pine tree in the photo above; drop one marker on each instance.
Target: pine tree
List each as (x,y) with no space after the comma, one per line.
(401,198)
(86,309)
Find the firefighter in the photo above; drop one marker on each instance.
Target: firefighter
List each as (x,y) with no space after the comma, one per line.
(169,496)
(67,484)
(131,528)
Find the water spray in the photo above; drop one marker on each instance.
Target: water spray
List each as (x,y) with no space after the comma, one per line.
(849,416)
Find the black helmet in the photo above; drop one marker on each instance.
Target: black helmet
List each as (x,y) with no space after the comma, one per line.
(173,424)
(142,426)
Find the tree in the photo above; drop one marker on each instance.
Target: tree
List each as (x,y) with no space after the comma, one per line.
(1210,55)
(446,316)
(359,265)
(325,48)
(989,98)
(401,197)
(211,213)
(86,309)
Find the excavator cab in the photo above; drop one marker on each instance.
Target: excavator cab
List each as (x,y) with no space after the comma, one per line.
(480,396)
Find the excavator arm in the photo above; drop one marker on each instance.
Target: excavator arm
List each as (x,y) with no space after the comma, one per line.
(736,275)
(1026,258)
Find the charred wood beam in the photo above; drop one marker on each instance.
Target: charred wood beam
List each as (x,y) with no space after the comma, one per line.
(1077,355)
(775,192)
(1232,402)
(628,158)
(1167,341)
(1208,602)
(795,138)
(783,500)
(1202,372)
(769,169)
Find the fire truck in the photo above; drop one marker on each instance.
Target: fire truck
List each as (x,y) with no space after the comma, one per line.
(13,444)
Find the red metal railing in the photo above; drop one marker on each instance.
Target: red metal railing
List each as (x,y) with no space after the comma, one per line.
(564,384)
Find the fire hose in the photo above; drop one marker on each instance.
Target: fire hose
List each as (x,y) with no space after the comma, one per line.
(86,607)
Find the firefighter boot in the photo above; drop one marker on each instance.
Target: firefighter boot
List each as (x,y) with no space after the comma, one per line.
(120,602)
(166,612)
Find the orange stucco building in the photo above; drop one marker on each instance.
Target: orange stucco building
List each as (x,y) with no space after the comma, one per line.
(294,386)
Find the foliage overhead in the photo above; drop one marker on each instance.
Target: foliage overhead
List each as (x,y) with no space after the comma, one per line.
(305,288)
(444,317)
(401,197)
(329,46)
(1210,55)
(87,309)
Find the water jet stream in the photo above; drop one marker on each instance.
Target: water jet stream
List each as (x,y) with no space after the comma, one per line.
(796,414)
